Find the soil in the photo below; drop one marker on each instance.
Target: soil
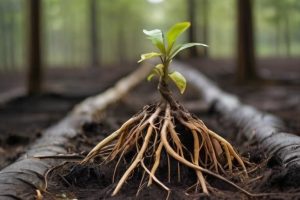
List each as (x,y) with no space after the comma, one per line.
(94,181)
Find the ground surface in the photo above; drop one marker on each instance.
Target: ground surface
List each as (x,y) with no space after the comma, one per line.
(95,181)
(23,119)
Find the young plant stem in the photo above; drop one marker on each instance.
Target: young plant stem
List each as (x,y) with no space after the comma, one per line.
(163,86)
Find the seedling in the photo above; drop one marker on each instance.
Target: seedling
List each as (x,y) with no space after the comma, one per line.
(164,127)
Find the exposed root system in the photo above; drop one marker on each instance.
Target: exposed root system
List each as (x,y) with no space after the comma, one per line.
(163,132)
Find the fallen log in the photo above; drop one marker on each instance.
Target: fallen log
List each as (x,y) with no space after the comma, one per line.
(21,179)
(256,126)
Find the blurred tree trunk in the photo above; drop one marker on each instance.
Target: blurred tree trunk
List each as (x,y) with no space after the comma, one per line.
(205,25)
(246,58)
(3,53)
(121,43)
(7,34)
(74,58)
(123,13)
(287,35)
(277,35)
(12,34)
(192,31)
(35,64)
(67,34)
(94,33)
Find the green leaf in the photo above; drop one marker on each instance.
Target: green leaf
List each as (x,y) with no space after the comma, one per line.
(179,81)
(184,46)
(157,70)
(175,31)
(156,36)
(147,56)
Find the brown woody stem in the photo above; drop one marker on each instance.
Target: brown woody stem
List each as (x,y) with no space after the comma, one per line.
(166,94)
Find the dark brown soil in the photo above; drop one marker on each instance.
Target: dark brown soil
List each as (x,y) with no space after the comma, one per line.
(95,181)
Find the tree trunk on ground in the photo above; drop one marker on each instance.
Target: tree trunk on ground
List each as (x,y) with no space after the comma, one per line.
(35,64)
(246,58)
(192,31)
(275,143)
(94,33)
(21,179)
